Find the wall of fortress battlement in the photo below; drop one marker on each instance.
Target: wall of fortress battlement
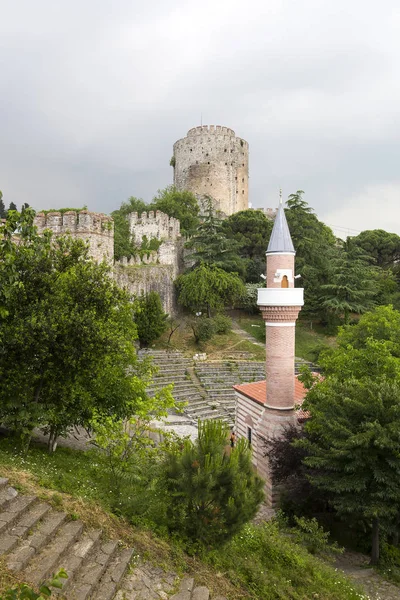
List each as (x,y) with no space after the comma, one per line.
(96,229)
(212,161)
(156,225)
(155,271)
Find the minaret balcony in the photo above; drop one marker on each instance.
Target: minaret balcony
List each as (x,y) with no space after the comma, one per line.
(280,297)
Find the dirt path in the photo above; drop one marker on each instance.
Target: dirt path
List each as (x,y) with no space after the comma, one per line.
(356,566)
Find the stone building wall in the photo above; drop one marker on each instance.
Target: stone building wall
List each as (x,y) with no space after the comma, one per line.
(95,228)
(212,161)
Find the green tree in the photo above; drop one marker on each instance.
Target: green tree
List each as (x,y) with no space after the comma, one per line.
(209,287)
(66,335)
(12,206)
(353,447)
(181,205)
(123,245)
(150,319)
(251,229)
(352,279)
(382,246)
(211,246)
(352,440)
(381,324)
(314,243)
(3,212)
(212,491)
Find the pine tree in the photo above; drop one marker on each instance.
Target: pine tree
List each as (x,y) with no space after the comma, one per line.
(352,279)
(211,246)
(212,490)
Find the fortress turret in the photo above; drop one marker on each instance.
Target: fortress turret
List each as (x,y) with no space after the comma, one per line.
(212,161)
(94,228)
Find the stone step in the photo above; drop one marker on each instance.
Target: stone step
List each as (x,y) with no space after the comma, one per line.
(44,564)
(201,593)
(21,527)
(7,495)
(46,530)
(14,510)
(113,575)
(78,555)
(88,577)
(3,482)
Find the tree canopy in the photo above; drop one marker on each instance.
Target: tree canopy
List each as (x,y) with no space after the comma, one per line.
(314,243)
(251,229)
(382,246)
(208,287)
(66,334)
(352,439)
(210,245)
(352,282)
(181,205)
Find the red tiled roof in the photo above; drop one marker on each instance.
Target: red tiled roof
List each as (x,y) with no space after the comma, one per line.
(257,391)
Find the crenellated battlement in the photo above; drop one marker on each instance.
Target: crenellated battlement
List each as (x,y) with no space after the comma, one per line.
(214,129)
(96,229)
(156,225)
(73,221)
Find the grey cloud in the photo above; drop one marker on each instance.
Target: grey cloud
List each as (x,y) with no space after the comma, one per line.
(94,94)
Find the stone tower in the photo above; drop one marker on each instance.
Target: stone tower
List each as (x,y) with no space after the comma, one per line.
(212,161)
(265,408)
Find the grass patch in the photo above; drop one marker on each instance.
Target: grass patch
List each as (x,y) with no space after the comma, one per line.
(259,562)
(215,348)
(309,342)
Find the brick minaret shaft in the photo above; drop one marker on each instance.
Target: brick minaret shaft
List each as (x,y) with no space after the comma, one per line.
(280,303)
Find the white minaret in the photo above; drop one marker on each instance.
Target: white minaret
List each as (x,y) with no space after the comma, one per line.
(280,303)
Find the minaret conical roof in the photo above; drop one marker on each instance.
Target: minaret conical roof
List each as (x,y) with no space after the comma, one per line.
(280,240)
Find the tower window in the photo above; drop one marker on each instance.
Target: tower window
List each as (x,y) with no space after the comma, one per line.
(242,179)
(225,150)
(249,435)
(206,153)
(284,282)
(242,191)
(190,149)
(208,162)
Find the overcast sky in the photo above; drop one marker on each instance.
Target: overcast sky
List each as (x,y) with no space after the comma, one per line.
(93,94)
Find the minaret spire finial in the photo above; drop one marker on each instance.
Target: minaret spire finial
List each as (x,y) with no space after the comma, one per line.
(280,195)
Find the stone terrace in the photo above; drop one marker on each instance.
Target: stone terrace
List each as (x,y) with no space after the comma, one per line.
(205,386)
(36,541)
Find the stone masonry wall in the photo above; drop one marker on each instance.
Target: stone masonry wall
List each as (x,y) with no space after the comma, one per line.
(95,228)
(212,161)
(159,226)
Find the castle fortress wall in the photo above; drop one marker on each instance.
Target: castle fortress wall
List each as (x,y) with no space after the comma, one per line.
(153,225)
(212,161)
(94,228)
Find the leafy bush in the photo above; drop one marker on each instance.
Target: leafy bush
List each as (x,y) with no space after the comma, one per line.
(389,561)
(203,329)
(309,533)
(222,324)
